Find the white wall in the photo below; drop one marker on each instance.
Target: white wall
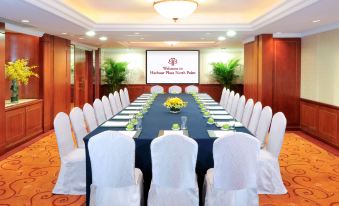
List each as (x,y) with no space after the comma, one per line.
(320,67)
(137,62)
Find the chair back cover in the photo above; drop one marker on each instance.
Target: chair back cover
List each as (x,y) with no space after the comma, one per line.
(191,89)
(240,109)
(230,102)
(235,104)
(253,124)
(127,96)
(277,132)
(264,124)
(173,161)
(123,98)
(174,89)
(99,111)
(227,95)
(112,157)
(235,166)
(247,112)
(113,104)
(117,101)
(90,118)
(63,132)
(222,98)
(157,89)
(107,107)
(79,125)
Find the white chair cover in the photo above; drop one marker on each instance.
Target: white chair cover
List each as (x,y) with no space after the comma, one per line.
(90,118)
(127,96)
(107,107)
(253,124)
(79,125)
(72,174)
(115,180)
(227,95)
(264,125)
(114,106)
(173,171)
(229,102)
(240,109)
(117,101)
(123,99)
(222,98)
(269,179)
(191,89)
(174,89)
(235,104)
(99,111)
(232,181)
(157,89)
(247,113)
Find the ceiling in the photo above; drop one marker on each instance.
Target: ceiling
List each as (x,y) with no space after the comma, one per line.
(135,24)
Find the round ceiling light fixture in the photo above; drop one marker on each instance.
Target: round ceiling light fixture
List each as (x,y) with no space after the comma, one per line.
(175,9)
(90,33)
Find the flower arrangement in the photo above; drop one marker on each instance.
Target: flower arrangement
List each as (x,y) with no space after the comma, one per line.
(19,73)
(175,104)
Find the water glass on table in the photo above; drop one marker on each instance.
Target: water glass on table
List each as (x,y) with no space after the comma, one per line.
(183,122)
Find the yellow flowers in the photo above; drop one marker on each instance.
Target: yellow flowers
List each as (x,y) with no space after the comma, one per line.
(175,102)
(20,71)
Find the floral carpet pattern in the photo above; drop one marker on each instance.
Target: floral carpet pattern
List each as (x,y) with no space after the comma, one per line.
(310,174)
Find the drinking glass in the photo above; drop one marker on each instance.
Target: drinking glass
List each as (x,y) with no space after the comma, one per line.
(183,122)
(139,124)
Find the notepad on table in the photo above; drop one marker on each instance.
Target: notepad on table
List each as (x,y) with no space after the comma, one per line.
(218,133)
(122,117)
(207,100)
(114,124)
(137,103)
(131,134)
(214,107)
(140,101)
(167,132)
(219,112)
(133,108)
(210,103)
(129,112)
(225,117)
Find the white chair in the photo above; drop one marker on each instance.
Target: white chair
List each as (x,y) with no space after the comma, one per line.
(227,95)
(79,125)
(123,99)
(234,104)
(222,98)
(173,171)
(264,125)
(253,124)
(240,108)
(247,113)
(232,181)
(229,102)
(90,118)
(191,89)
(269,179)
(72,174)
(107,107)
(174,89)
(115,180)
(117,101)
(127,96)
(157,89)
(99,111)
(113,104)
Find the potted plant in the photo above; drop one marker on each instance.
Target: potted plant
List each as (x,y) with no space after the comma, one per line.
(19,73)
(175,104)
(116,73)
(225,73)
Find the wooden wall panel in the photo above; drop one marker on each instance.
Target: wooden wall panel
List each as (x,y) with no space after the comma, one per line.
(15,126)
(286,79)
(34,125)
(309,117)
(80,77)
(91,73)
(97,69)
(250,71)
(24,46)
(328,124)
(2,87)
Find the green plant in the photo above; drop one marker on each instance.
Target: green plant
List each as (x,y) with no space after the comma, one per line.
(116,73)
(224,73)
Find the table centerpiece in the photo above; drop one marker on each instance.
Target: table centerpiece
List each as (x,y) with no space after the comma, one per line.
(175,104)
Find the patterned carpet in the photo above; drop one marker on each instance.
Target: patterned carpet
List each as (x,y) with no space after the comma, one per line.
(310,174)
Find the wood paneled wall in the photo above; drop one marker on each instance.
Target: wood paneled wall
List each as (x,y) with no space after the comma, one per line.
(91,73)
(81,74)
(320,120)
(2,87)
(24,46)
(272,74)
(97,86)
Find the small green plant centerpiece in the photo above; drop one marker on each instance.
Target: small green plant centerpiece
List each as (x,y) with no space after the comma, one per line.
(175,104)
(19,73)
(225,73)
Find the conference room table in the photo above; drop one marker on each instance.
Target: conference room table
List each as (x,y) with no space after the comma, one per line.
(159,118)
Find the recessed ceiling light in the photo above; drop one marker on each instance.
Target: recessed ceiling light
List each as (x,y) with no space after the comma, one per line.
(208,33)
(103,38)
(136,33)
(231,33)
(202,38)
(25,21)
(81,37)
(90,33)
(221,38)
(63,33)
(316,21)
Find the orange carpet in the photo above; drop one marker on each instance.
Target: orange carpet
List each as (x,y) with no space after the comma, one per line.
(310,174)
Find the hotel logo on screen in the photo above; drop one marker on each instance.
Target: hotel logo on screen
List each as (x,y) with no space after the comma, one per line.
(173,61)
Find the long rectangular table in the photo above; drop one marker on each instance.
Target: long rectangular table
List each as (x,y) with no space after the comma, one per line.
(159,118)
